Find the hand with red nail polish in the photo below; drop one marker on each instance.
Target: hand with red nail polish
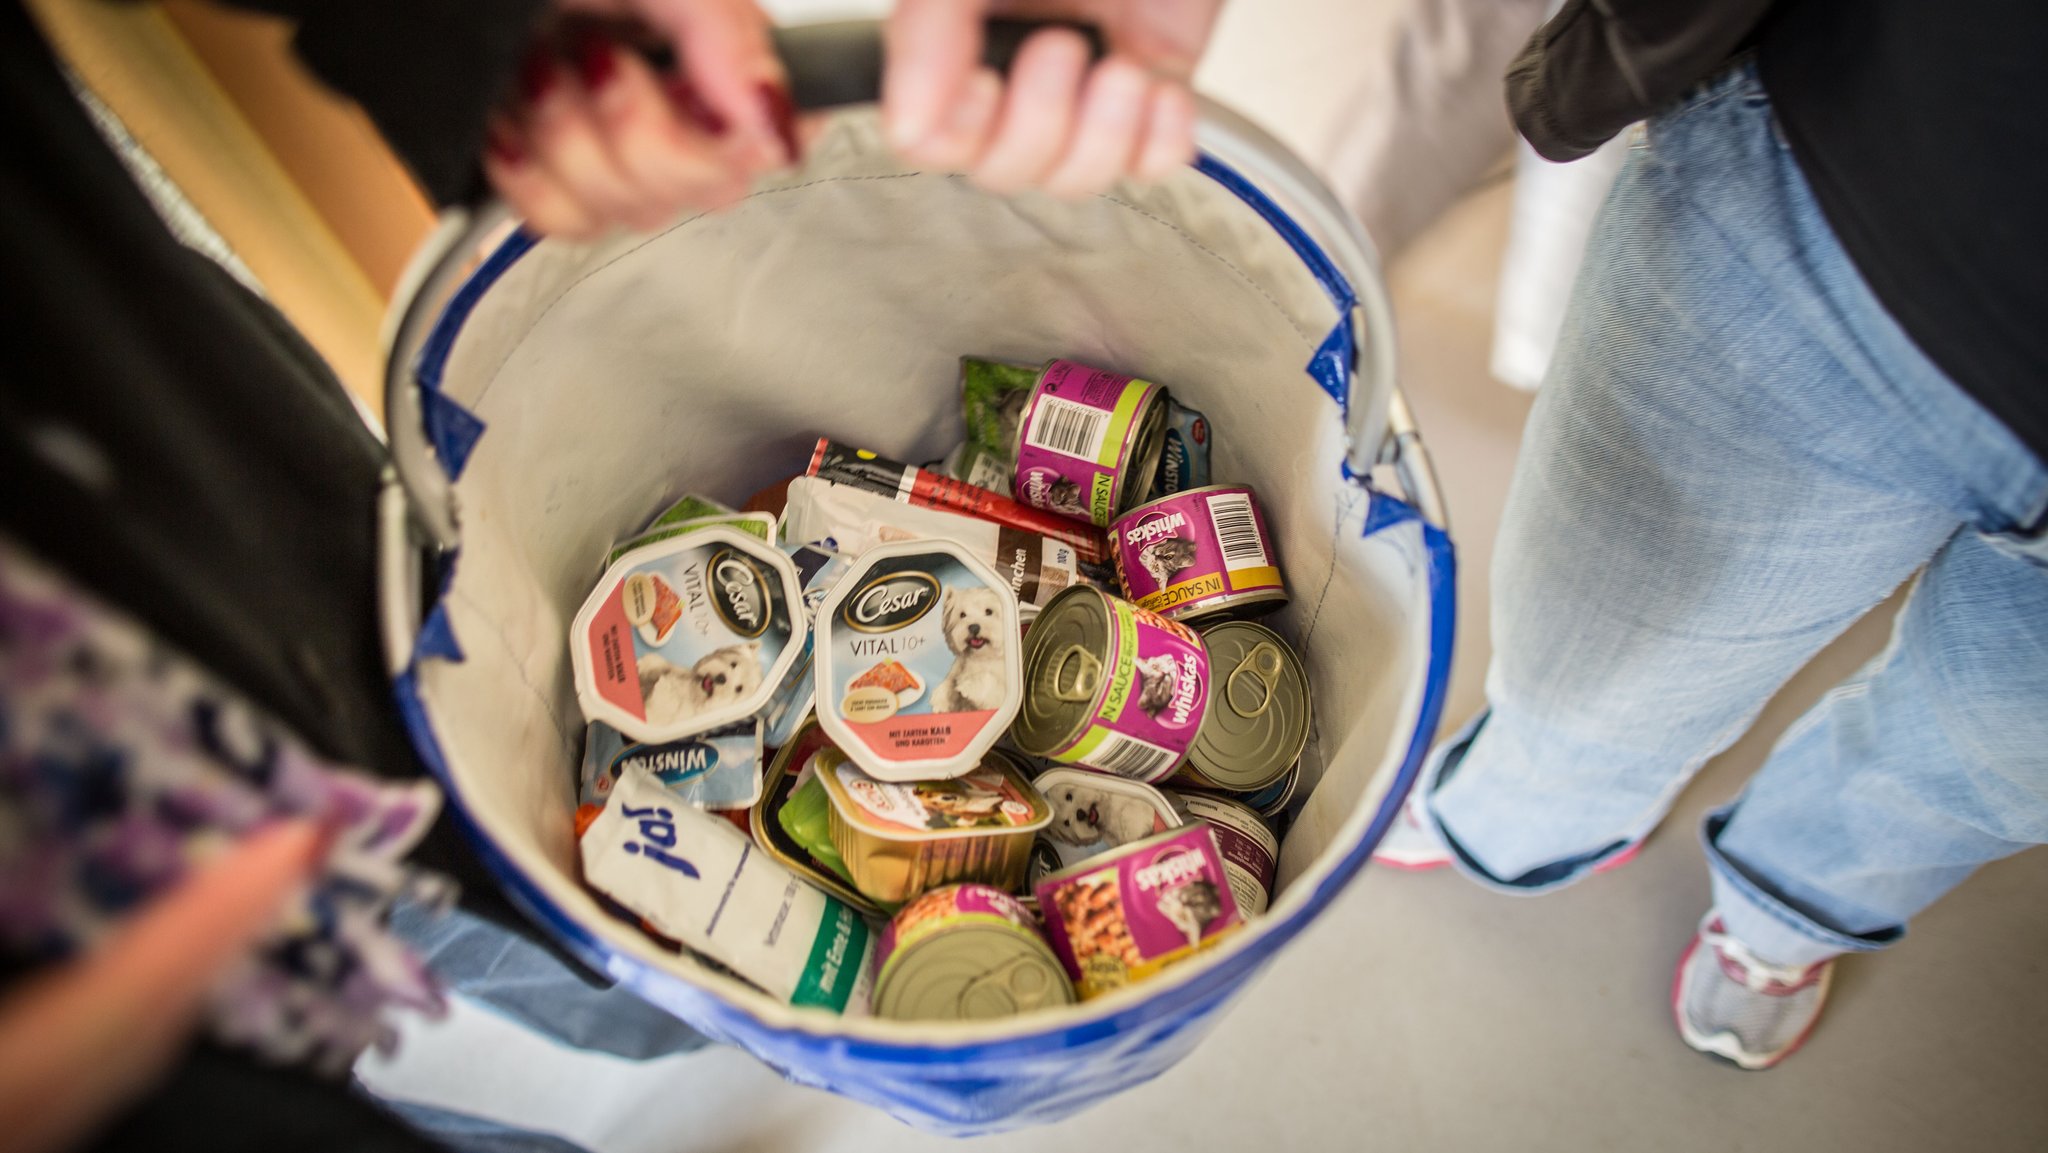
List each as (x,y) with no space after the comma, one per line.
(1057,123)
(592,139)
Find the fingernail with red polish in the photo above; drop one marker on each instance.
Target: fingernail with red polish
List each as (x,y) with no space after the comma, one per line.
(537,76)
(782,114)
(597,63)
(505,147)
(691,103)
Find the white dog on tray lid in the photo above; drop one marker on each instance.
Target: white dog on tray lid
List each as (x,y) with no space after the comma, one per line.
(687,635)
(918,671)
(973,624)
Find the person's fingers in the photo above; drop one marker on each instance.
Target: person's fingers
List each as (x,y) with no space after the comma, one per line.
(562,131)
(932,49)
(542,203)
(1169,133)
(1113,115)
(959,142)
(1166,36)
(724,48)
(1038,111)
(78,1042)
(652,140)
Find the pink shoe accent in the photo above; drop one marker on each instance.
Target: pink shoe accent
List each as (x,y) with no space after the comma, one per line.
(1619,859)
(1735,972)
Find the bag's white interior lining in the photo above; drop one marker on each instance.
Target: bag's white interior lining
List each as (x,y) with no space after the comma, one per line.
(708,357)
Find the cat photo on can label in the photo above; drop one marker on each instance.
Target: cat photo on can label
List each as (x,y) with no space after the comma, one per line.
(1192,906)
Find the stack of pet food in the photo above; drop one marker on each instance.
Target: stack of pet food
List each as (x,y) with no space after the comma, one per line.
(980,757)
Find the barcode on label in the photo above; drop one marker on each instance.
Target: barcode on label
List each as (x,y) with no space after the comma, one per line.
(1237,531)
(1129,758)
(1067,428)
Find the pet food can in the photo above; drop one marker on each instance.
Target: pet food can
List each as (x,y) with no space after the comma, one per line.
(1088,442)
(899,839)
(965,952)
(1183,451)
(715,770)
(1258,721)
(1269,802)
(1121,917)
(1251,853)
(766,824)
(1093,813)
(917,660)
(1199,554)
(687,635)
(1111,686)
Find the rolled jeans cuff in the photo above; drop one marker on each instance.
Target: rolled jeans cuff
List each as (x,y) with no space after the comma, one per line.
(1533,883)
(1771,929)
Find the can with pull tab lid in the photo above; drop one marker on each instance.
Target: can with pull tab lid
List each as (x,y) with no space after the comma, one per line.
(965,952)
(1088,442)
(1111,686)
(1258,722)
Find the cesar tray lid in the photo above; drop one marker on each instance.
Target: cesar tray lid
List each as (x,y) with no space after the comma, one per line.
(687,635)
(917,660)
(992,799)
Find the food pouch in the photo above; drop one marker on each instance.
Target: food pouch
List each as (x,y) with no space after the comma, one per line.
(697,879)
(715,770)
(853,520)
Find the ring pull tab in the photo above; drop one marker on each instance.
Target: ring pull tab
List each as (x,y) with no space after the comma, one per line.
(1082,687)
(1260,667)
(1014,985)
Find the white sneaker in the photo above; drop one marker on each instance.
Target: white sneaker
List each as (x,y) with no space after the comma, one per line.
(1731,1004)
(1412,844)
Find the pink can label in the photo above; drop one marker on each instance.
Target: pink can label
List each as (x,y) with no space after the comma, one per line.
(1141,908)
(1075,439)
(947,908)
(1178,554)
(1155,691)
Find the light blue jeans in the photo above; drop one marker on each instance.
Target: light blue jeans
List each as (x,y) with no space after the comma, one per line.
(1736,454)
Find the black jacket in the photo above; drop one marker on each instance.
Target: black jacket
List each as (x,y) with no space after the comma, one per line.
(239,524)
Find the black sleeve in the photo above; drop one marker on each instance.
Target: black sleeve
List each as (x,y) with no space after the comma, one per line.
(426,71)
(1599,66)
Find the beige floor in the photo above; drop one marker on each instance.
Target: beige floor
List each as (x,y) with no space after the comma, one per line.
(1422,1012)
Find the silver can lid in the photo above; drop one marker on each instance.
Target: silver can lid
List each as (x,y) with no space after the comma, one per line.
(1259,709)
(971,973)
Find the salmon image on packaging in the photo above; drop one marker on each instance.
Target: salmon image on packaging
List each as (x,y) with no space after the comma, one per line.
(917,662)
(687,635)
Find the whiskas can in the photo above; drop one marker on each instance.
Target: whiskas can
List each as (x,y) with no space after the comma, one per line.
(1269,802)
(1183,451)
(1199,554)
(965,952)
(1111,686)
(899,839)
(1251,853)
(1125,915)
(1088,442)
(1259,712)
